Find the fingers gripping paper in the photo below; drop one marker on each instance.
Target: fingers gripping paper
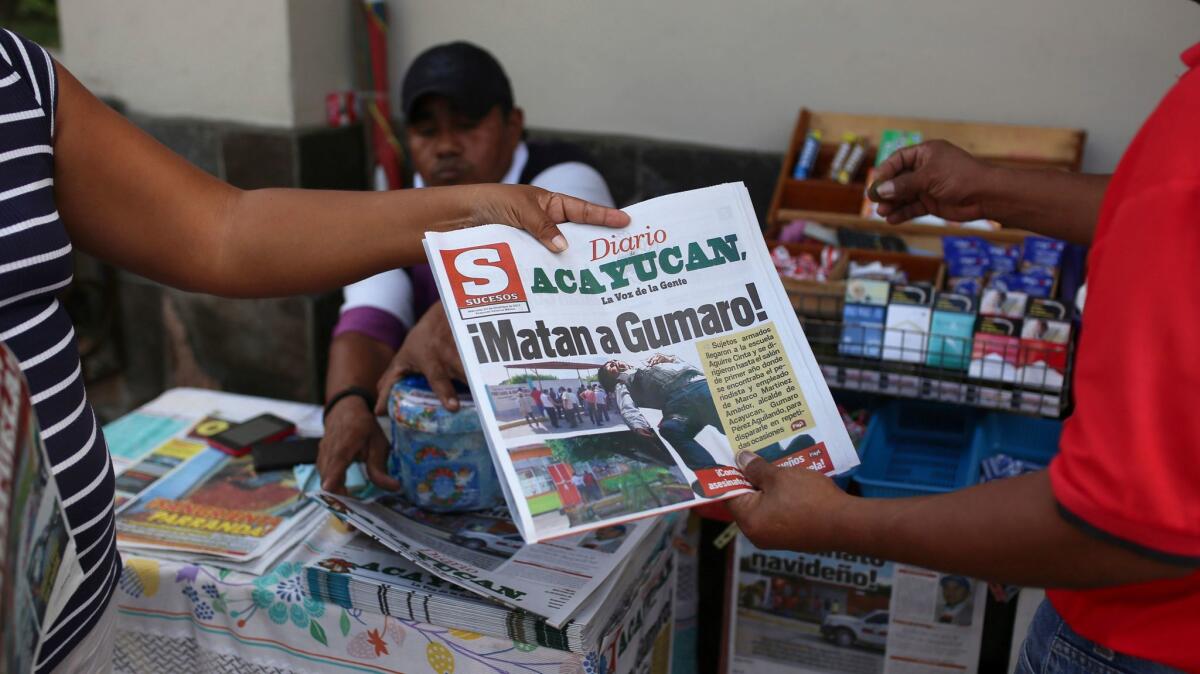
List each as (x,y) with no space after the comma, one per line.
(619,378)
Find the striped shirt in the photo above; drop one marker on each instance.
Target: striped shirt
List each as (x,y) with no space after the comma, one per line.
(35,265)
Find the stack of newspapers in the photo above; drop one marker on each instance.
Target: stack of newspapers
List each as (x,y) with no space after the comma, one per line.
(463,571)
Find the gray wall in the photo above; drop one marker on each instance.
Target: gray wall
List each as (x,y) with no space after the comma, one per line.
(734,74)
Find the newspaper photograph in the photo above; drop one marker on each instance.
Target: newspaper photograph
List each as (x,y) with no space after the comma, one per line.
(619,378)
(792,612)
(483,552)
(937,623)
(215,505)
(38,570)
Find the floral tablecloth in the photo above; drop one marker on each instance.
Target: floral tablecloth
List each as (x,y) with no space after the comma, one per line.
(179,617)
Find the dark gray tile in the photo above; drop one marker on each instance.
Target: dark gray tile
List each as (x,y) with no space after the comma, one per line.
(332,159)
(615,157)
(255,347)
(666,168)
(196,141)
(259,158)
(142,337)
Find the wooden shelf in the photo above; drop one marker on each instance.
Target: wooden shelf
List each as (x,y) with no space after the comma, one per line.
(832,203)
(878,226)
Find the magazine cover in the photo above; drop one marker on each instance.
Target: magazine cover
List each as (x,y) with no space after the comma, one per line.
(38,571)
(792,612)
(619,378)
(216,505)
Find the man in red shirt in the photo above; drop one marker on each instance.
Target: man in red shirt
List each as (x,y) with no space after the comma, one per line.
(1114,523)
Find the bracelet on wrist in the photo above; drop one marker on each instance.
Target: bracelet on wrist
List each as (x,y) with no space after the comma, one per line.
(350,392)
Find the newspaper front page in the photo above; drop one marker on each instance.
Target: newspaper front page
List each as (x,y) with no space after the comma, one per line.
(618,379)
(39,567)
(798,613)
(483,552)
(794,613)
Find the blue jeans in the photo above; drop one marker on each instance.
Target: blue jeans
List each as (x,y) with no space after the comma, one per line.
(1052,647)
(684,415)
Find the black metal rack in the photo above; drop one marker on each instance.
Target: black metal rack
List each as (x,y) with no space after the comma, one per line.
(915,364)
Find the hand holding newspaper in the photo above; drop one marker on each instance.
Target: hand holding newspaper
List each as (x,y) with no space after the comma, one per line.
(618,379)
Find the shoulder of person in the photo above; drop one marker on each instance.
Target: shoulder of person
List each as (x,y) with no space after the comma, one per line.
(546,153)
(563,167)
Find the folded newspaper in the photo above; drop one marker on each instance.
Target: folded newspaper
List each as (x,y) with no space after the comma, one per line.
(483,552)
(38,562)
(619,379)
(362,574)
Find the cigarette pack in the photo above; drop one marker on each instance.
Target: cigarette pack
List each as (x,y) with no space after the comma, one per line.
(863,317)
(908,315)
(951,330)
(994,354)
(1005,303)
(1045,334)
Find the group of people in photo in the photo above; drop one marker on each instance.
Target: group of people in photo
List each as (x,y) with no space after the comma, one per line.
(564,406)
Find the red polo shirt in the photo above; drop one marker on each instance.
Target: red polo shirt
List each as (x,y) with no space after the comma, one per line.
(1129,466)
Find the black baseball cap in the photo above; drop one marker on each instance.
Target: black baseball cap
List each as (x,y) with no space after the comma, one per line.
(465,73)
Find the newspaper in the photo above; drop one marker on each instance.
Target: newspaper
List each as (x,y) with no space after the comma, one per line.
(483,552)
(792,613)
(39,569)
(217,506)
(618,379)
(937,623)
(362,574)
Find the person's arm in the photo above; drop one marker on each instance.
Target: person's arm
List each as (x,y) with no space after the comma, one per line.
(1008,530)
(351,430)
(128,200)
(938,178)
(428,349)
(629,410)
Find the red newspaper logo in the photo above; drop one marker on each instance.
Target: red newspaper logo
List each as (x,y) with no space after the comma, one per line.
(485,281)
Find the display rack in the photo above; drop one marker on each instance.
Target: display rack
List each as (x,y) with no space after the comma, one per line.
(899,366)
(1010,385)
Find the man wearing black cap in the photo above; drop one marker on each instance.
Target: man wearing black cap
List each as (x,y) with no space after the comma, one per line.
(462,127)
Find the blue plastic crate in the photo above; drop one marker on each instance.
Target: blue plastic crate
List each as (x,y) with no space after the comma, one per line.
(1030,439)
(918,448)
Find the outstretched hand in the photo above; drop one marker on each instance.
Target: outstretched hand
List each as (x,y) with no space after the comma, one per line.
(794,509)
(932,178)
(540,212)
(429,349)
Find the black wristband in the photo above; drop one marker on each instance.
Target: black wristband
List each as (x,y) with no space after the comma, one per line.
(350,391)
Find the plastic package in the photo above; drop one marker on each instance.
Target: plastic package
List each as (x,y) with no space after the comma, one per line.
(440,457)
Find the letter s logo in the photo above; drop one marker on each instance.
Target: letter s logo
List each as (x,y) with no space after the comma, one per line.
(480,275)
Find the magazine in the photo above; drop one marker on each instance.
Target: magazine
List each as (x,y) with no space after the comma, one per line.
(482,552)
(364,574)
(646,357)
(217,506)
(38,564)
